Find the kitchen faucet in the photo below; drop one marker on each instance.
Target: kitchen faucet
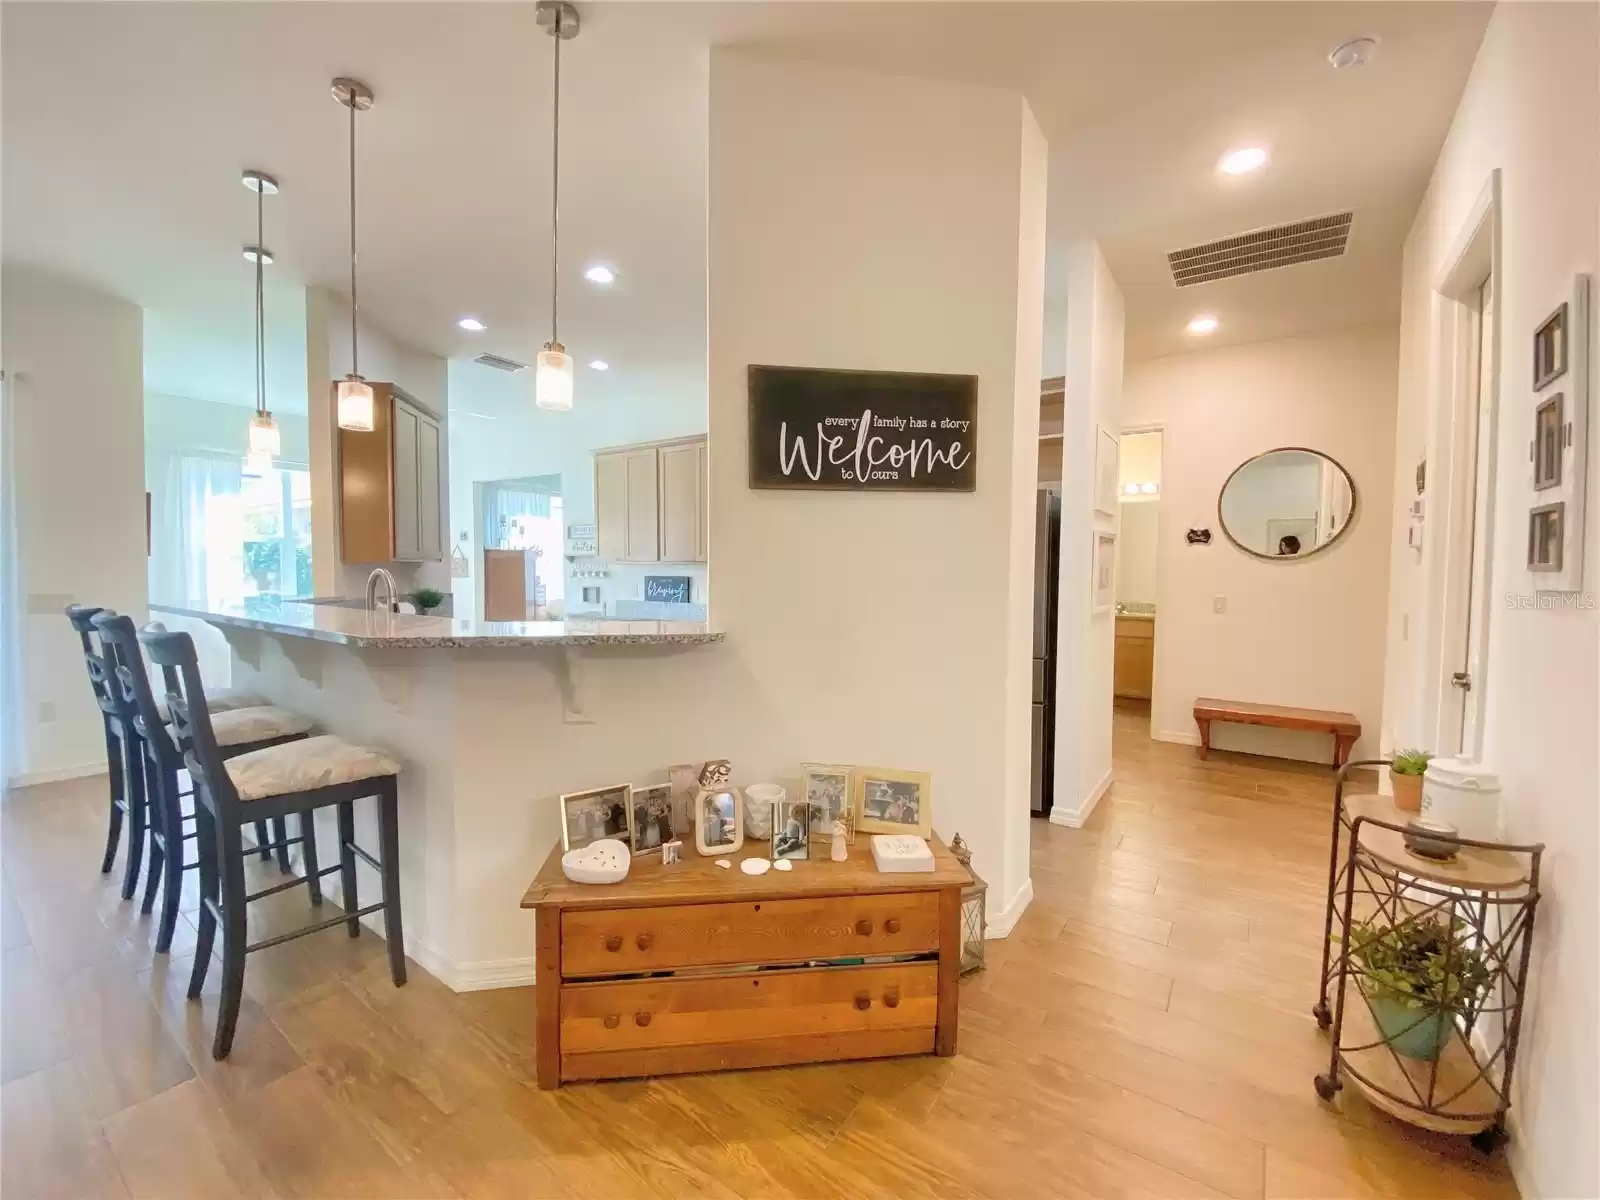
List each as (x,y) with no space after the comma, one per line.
(379,575)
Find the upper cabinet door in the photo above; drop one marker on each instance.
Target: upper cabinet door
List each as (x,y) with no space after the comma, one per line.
(611,506)
(430,531)
(681,503)
(703,523)
(407,493)
(643,528)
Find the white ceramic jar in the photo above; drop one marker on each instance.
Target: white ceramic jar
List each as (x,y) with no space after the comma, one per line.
(1465,795)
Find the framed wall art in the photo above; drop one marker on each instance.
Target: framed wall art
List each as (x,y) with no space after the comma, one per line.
(1549,442)
(1103,573)
(1546,531)
(1550,349)
(1558,456)
(1106,465)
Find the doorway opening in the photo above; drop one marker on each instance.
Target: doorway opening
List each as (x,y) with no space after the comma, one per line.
(1137,557)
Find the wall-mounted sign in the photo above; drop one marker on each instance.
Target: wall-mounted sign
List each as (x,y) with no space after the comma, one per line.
(667,589)
(862,430)
(583,547)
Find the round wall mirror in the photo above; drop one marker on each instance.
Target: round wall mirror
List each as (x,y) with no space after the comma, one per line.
(1287,504)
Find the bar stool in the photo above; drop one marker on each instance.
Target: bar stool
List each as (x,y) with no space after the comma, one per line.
(294,778)
(238,731)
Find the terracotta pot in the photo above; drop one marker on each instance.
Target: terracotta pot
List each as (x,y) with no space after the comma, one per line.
(1407,791)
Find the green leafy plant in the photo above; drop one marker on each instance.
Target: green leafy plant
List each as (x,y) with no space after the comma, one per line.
(427,598)
(1410,762)
(1407,963)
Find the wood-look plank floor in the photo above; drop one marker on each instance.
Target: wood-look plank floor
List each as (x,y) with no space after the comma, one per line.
(1143,1032)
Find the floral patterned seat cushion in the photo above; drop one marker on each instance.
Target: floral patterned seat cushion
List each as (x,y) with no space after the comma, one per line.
(220,700)
(241,726)
(302,766)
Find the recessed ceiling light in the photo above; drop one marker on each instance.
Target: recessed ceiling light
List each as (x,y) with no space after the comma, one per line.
(472,324)
(1242,162)
(251,253)
(1357,52)
(1202,325)
(600,274)
(600,364)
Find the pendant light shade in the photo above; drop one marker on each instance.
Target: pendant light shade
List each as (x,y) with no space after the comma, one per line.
(264,439)
(354,394)
(263,445)
(552,385)
(553,379)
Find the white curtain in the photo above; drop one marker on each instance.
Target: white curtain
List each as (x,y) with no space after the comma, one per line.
(197,533)
(10,612)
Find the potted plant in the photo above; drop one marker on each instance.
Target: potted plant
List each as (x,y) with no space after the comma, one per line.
(427,599)
(1406,769)
(1416,976)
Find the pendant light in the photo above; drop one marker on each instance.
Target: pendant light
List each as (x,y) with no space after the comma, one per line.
(553,378)
(354,392)
(264,443)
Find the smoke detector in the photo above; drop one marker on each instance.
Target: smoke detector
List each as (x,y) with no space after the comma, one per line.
(1357,52)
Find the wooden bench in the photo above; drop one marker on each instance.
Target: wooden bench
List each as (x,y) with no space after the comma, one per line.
(1342,725)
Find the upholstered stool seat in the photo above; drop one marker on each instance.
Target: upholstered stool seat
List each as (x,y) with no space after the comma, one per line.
(220,700)
(316,762)
(240,726)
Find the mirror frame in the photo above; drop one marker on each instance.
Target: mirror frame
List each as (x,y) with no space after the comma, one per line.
(1355,505)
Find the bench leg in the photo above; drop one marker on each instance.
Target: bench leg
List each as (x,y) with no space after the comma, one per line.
(1205,737)
(1341,749)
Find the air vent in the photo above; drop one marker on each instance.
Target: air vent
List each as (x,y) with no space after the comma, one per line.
(1263,250)
(500,364)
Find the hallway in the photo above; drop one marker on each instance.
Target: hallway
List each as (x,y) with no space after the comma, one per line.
(1143,1032)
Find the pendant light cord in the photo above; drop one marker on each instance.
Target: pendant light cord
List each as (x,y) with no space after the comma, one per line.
(355,362)
(555,189)
(261,364)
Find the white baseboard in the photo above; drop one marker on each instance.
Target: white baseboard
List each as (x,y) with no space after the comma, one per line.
(59,774)
(475,976)
(1187,737)
(1074,818)
(997,925)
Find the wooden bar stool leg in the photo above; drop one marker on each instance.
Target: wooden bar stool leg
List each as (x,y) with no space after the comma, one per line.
(280,834)
(347,865)
(262,839)
(230,852)
(115,789)
(138,815)
(160,823)
(172,887)
(389,838)
(206,843)
(308,856)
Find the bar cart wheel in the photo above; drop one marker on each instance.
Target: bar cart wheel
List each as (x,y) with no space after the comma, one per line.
(1487,1141)
(1321,1013)
(1327,1086)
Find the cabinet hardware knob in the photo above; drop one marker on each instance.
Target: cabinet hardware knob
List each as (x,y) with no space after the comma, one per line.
(891,998)
(641,1019)
(892,925)
(864,927)
(612,1020)
(863,1001)
(614,943)
(644,941)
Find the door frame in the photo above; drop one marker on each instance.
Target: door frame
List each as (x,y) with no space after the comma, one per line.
(1474,259)
(1155,668)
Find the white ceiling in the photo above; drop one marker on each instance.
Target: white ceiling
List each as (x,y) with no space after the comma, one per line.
(129,176)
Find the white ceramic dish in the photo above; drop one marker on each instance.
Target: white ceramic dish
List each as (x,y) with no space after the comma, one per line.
(605,861)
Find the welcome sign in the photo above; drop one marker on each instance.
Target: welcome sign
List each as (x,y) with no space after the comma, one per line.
(862,430)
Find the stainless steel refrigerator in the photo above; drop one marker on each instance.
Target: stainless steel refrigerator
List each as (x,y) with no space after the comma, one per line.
(1046,548)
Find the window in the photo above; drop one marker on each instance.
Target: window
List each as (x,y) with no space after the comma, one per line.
(275,514)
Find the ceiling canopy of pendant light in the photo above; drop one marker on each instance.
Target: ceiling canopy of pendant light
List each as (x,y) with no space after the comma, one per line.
(264,444)
(552,387)
(354,394)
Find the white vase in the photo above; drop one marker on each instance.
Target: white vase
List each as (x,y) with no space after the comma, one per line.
(758,801)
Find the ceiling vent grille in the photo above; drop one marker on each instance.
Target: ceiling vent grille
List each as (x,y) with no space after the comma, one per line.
(1262,250)
(500,364)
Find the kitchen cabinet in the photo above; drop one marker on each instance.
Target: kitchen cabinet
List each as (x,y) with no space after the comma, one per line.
(650,502)
(1134,658)
(389,484)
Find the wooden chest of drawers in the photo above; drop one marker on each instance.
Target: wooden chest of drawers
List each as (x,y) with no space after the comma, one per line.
(693,967)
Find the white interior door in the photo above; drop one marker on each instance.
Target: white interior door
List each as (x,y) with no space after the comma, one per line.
(1467,671)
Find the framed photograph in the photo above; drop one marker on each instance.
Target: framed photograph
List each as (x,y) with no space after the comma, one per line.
(718,811)
(791,829)
(652,818)
(595,814)
(1106,451)
(1550,349)
(827,794)
(1103,573)
(1549,440)
(1546,531)
(684,780)
(893,801)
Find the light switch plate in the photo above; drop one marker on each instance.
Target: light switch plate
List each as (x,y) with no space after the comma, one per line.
(1219,604)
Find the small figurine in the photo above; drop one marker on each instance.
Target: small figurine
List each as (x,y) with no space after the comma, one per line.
(671,852)
(840,851)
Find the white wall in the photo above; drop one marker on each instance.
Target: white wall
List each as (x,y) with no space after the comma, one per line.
(1085,642)
(1531,109)
(1307,633)
(73,356)
(1138,548)
(887,627)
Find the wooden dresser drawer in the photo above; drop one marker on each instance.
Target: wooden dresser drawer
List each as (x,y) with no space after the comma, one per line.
(627,940)
(763,1018)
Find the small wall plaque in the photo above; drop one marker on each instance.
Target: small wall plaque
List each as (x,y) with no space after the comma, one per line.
(1198,537)
(668,589)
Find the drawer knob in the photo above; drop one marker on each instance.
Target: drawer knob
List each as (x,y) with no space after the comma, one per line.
(891,998)
(612,1020)
(614,942)
(641,1019)
(892,925)
(864,927)
(863,1001)
(644,941)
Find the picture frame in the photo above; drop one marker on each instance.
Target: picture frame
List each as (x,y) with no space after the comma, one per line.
(826,790)
(1107,452)
(1546,534)
(718,811)
(1550,348)
(1102,573)
(684,780)
(1549,441)
(791,830)
(650,819)
(596,813)
(891,801)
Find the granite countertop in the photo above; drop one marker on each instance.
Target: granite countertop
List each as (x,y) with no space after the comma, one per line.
(401,631)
